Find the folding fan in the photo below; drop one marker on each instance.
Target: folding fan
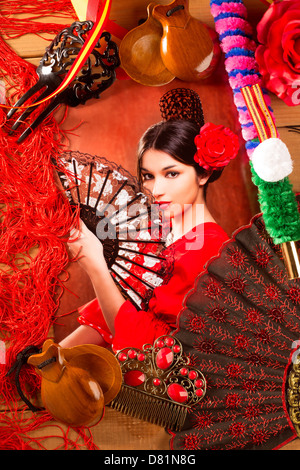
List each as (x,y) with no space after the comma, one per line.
(239,326)
(123,217)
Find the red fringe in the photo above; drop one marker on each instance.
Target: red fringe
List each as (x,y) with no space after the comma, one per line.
(12,26)
(34,225)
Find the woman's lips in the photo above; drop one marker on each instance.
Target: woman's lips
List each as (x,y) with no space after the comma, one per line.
(163,205)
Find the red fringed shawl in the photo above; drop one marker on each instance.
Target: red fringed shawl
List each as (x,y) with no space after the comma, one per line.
(34,223)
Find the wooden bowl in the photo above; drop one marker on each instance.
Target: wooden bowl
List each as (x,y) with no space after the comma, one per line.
(140,53)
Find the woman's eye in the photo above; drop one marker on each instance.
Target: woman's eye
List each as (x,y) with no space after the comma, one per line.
(172,174)
(147,176)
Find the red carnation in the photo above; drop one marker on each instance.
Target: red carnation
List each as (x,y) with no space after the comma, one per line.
(278,55)
(216,146)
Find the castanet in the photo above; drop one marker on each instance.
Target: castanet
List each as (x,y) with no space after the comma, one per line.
(187,46)
(77,382)
(140,53)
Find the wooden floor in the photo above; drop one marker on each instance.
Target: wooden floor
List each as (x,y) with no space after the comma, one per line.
(118,431)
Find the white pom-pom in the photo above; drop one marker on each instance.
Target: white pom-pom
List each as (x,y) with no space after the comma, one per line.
(272,160)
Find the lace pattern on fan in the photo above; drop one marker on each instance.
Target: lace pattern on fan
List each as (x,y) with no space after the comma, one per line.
(115,208)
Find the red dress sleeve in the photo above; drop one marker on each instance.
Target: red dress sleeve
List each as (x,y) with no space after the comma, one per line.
(134,328)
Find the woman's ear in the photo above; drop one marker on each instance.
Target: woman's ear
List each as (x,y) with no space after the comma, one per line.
(202,179)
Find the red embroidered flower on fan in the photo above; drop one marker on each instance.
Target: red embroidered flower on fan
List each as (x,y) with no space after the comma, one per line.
(236,282)
(216,146)
(234,370)
(272,292)
(255,359)
(294,294)
(203,420)
(236,258)
(250,385)
(241,342)
(191,442)
(219,314)
(207,346)
(252,411)
(195,323)
(264,336)
(237,429)
(213,289)
(262,257)
(259,437)
(253,316)
(277,314)
(233,400)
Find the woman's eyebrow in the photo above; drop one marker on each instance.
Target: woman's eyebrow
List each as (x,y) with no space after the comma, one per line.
(168,167)
(163,169)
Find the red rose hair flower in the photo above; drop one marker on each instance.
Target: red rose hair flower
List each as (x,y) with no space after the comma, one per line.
(278,55)
(216,146)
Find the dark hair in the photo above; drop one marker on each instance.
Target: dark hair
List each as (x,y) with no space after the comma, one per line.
(176,138)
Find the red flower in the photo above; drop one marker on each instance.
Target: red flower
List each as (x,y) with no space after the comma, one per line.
(236,283)
(207,346)
(234,370)
(203,420)
(216,146)
(259,437)
(263,336)
(262,257)
(195,324)
(237,429)
(218,314)
(233,400)
(241,342)
(253,316)
(191,442)
(252,411)
(278,55)
(294,294)
(255,359)
(237,258)
(277,314)
(213,289)
(272,292)
(250,385)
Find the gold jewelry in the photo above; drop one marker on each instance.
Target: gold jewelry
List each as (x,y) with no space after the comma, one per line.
(293,392)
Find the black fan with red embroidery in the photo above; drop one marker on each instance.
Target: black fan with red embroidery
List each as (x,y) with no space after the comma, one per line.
(239,325)
(113,206)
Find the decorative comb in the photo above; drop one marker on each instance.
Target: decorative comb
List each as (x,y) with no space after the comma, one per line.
(159,383)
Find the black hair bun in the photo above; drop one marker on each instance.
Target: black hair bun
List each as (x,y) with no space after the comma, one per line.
(182,103)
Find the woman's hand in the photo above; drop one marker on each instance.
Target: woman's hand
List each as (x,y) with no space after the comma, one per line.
(89,250)
(84,244)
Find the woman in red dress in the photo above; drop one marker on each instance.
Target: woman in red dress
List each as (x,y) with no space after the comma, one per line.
(171,166)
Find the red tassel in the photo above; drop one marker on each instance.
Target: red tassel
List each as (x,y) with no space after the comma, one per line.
(12,26)
(34,225)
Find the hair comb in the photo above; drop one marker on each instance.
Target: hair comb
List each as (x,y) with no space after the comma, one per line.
(159,383)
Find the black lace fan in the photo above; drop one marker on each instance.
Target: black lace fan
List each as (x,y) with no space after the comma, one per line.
(113,206)
(239,326)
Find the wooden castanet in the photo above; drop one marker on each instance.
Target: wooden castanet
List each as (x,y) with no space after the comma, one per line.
(140,53)
(187,48)
(77,382)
